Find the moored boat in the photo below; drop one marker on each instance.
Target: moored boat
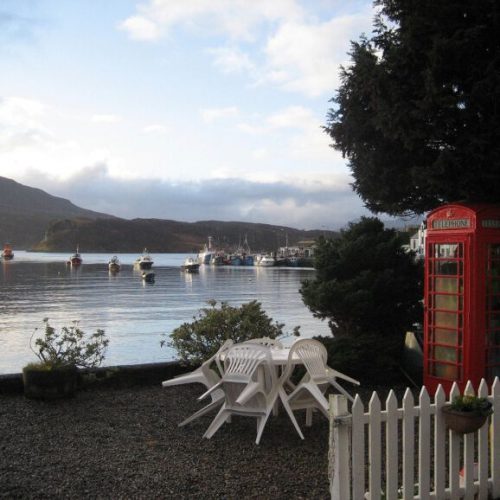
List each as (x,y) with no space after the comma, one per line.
(205,255)
(144,261)
(114,265)
(7,253)
(76,258)
(266,261)
(190,265)
(219,259)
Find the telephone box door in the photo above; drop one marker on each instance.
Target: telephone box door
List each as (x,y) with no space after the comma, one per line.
(445,281)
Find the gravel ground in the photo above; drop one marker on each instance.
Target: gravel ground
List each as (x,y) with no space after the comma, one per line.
(125,443)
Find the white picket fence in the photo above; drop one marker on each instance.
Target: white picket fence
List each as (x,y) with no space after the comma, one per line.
(406,452)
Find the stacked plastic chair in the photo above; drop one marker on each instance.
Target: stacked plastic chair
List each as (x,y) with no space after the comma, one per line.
(309,393)
(203,375)
(247,367)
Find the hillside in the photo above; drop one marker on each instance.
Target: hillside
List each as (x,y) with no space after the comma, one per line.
(33,219)
(120,235)
(25,213)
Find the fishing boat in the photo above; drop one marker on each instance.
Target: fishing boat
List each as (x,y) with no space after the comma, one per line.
(190,265)
(76,258)
(144,261)
(242,255)
(148,276)
(205,255)
(114,265)
(266,261)
(7,253)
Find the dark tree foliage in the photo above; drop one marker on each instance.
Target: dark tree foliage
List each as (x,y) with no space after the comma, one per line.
(418,111)
(365,284)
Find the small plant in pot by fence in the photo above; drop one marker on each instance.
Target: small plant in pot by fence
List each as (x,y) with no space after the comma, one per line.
(60,354)
(466,413)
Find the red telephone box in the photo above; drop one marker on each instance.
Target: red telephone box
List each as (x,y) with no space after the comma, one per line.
(462,295)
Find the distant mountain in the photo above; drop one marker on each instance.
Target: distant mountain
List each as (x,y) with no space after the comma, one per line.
(120,235)
(33,219)
(25,213)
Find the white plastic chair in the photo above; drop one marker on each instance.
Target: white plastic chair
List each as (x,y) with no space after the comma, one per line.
(203,375)
(247,367)
(309,393)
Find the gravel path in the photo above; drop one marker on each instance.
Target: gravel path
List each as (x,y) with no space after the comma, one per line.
(125,443)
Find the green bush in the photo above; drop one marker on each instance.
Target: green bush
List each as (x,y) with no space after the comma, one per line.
(200,339)
(365,357)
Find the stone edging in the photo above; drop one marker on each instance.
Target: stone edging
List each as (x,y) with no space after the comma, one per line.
(108,376)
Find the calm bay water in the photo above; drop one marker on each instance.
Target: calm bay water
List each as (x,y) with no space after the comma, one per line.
(134,314)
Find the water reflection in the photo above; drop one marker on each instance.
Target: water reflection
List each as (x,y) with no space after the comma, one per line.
(134,314)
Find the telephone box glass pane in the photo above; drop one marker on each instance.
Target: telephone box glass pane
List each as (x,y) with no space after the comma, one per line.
(450,302)
(446,354)
(446,267)
(446,319)
(448,337)
(449,372)
(447,285)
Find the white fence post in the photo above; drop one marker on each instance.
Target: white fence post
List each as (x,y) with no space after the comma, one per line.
(339,452)
(391,446)
(495,439)
(473,472)
(408,445)
(358,449)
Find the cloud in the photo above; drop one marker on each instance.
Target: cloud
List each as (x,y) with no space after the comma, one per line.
(21,123)
(156,128)
(105,118)
(304,137)
(237,19)
(232,60)
(141,28)
(278,42)
(293,202)
(305,58)
(212,114)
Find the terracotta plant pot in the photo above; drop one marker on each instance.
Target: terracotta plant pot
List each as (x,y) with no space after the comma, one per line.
(462,422)
(57,383)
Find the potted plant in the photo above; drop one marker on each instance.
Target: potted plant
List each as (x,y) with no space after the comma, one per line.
(466,413)
(60,353)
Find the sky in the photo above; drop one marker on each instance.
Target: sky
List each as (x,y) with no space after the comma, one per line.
(180,109)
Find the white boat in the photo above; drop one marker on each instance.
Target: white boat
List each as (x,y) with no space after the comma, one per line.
(190,265)
(266,261)
(114,264)
(144,261)
(205,255)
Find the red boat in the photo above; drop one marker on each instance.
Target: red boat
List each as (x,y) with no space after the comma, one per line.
(7,253)
(76,258)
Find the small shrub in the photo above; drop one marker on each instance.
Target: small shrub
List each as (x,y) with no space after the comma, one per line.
(472,404)
(200,339)
(70,346)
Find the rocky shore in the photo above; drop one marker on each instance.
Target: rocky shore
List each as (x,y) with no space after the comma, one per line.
(120,442)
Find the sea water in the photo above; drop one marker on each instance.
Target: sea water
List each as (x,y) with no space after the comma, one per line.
(135,315)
